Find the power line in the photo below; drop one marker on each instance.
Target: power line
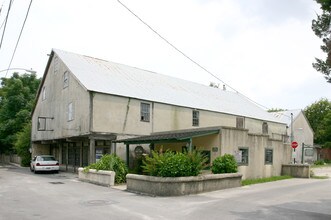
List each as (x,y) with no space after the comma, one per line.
(186,56)
(0,15)
(4,29)
(19,37)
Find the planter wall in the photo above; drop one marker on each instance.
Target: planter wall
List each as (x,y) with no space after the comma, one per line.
(296,170)
(177,186)
(101,177)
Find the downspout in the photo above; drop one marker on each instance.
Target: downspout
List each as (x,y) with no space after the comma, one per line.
(126,115)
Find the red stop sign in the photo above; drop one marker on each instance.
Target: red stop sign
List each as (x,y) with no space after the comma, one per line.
(294,144)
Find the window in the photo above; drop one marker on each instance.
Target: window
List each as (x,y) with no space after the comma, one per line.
(56,64)
(70,111)
(243,156)
(144,112)
(240,122)
(65,79)
(43,93)
(265,128)
(44,123)
(268,156)
(41,124)
(195,118)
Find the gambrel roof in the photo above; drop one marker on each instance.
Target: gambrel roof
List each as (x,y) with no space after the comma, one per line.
(113,78)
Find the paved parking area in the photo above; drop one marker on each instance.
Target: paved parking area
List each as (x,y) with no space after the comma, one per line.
(322,171)
(24,195)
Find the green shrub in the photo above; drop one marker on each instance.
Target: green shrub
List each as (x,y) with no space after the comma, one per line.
(170,164)
(113,163)
(224,164)
(319,162)
(137,165)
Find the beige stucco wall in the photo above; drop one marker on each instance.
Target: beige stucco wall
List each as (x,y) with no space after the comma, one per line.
(232,139)
(121,115)
(302,133)
(204,143)
(56,105)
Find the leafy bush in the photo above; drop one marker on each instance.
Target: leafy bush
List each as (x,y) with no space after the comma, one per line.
(224,164)
(319,162)
(22,145)
(170,164)
(113,163)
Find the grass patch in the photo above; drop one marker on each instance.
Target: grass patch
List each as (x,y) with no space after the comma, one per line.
(321,166)
(264,180)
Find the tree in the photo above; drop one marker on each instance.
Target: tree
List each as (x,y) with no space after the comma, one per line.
(322,28)
(17,95)
(319,117)
(22,144)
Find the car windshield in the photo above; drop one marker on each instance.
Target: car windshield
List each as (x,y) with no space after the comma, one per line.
(47,158)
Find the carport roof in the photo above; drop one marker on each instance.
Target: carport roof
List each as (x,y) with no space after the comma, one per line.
(171,136)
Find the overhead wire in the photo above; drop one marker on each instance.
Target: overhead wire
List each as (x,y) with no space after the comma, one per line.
(186,56)
(19,37)
(4,29)
(3,20)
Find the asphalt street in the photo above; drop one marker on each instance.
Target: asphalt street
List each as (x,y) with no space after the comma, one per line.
(24,195)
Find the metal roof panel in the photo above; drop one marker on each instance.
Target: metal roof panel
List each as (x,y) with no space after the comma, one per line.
(118,79)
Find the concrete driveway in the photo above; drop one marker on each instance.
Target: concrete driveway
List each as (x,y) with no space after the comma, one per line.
(322,171)
(24,195)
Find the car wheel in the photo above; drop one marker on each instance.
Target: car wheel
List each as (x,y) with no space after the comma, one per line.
(31,169)
(35,171)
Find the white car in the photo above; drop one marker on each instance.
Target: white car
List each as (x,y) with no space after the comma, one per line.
(44,163)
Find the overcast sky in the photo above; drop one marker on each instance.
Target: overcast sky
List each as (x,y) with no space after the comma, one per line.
(262,48)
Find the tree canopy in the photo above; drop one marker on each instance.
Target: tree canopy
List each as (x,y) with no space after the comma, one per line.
(17,95)
(319,117)
(322,28)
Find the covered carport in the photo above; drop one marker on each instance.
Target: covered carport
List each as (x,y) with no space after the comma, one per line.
(167,137)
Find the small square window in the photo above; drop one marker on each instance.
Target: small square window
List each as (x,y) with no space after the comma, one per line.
(65,79)
(145,112)
(265,128)
(243,156)
(268,156)
(43,93)
(195,118)
(240,122)
(41,124)
(56,64)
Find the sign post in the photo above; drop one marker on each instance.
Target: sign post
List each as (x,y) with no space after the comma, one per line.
(294,145)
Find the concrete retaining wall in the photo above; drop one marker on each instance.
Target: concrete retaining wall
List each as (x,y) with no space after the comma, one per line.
(13,158)
(177,186)
(296,170)
(101,177)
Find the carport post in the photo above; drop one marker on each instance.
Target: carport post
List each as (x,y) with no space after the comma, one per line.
(190,145)
(92,151)
(127,155)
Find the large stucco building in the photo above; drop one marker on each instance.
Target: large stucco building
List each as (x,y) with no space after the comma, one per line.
(86,105)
